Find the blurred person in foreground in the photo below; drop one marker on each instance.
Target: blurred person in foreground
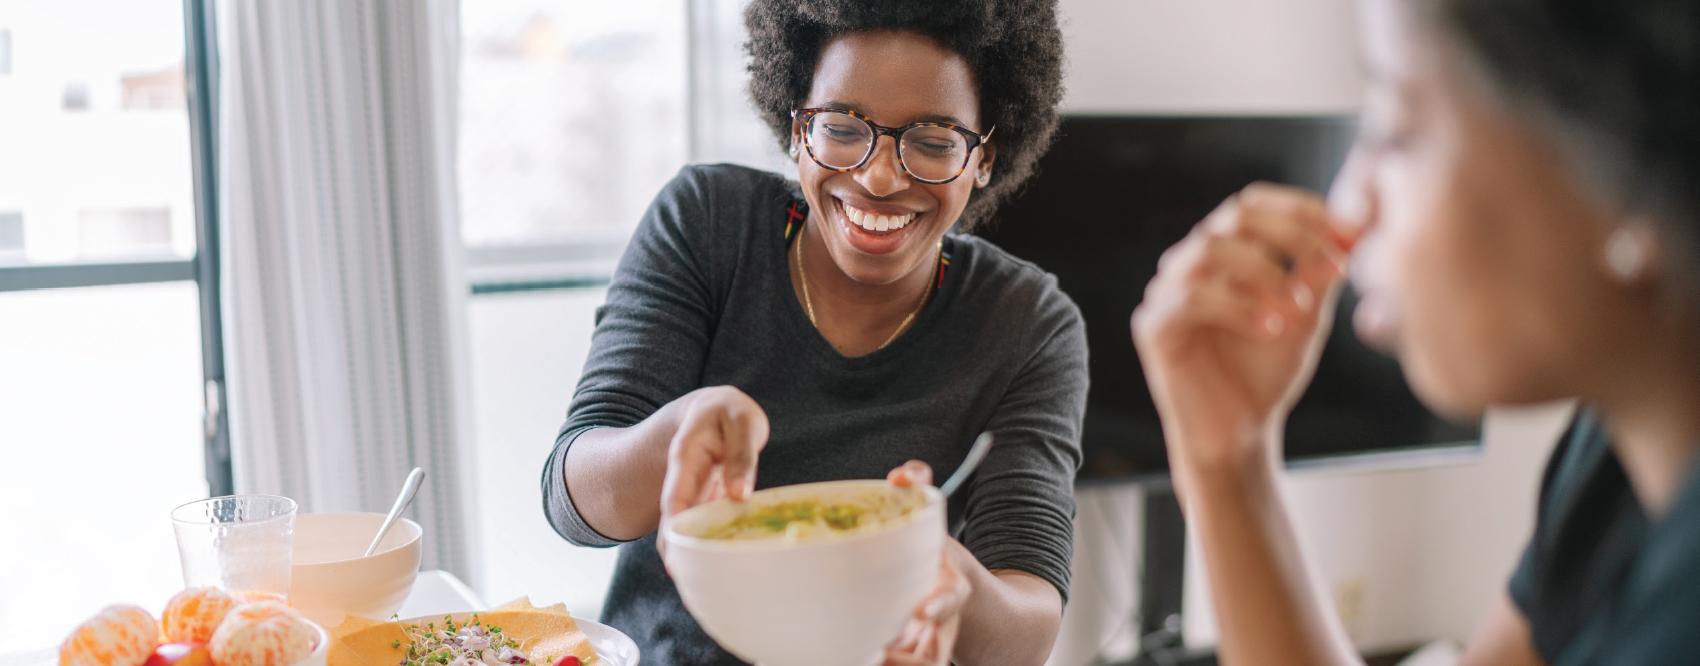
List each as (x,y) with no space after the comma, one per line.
(1522,215)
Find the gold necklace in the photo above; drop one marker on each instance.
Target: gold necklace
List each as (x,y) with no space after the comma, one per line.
(809,305)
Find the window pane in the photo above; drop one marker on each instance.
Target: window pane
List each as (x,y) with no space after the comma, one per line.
(572,117)
(96,132)
(727,128)
(11,236)
(5,52)
(101,394)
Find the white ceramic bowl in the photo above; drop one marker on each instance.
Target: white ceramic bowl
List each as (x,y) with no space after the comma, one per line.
(331,578)
(317,658)
(834,601)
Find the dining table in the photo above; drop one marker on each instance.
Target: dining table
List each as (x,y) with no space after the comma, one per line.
(434,592)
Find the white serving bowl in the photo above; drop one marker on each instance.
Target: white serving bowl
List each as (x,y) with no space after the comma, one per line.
(331,578)
(833,601)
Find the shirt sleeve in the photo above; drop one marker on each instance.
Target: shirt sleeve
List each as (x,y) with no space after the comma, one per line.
(652,334)
(1020,510)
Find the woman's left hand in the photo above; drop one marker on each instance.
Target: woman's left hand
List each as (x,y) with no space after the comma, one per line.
(930,636)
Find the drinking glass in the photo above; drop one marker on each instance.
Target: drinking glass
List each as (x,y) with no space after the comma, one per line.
(241,543)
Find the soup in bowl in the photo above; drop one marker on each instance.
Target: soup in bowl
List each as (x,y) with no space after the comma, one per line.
(819,574)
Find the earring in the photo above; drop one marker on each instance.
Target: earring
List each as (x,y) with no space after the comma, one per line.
(984,178)
(1626,255)
(792,151)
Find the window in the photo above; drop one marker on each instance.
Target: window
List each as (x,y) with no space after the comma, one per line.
(158,89)
(118,232)
(101,378)
(96,136)
(572,116)
(74,97)
(11,235)
(102,396)
(726,128)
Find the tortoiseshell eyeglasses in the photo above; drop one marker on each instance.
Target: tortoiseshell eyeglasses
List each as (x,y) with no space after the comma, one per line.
(843,140)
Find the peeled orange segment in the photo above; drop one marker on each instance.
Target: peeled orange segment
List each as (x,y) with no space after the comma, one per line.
(267,633)
(194,614)
(116,636)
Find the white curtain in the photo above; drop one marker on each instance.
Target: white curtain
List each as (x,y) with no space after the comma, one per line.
(344,290)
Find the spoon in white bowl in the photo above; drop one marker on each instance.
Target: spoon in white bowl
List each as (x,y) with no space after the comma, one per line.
(976,454)
(408,490)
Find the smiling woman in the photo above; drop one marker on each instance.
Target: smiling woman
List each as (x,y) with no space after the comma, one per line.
(765,332)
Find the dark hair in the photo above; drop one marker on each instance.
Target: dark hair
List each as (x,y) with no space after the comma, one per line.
(1013,47)
(1618,85)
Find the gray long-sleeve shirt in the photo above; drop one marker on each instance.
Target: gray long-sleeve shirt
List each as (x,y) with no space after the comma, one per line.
(703,297)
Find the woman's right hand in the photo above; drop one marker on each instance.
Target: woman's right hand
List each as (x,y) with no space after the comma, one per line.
(714,450)
(1231,327)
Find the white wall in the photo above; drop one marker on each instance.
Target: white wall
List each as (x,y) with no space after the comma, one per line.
(527,350)
(1410,555)
(1103,591)
(1210,56)
(1416,555)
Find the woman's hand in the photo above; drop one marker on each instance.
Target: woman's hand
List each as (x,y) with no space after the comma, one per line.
(1231,327)
(713,452)
(930,636)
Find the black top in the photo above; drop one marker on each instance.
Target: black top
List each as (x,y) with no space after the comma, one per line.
(1598,582)
(703,297)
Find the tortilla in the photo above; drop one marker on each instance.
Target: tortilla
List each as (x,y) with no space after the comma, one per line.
(544,634)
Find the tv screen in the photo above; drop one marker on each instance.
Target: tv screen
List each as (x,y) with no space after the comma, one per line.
(1113,194)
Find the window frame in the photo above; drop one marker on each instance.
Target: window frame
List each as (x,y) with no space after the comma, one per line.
(200,78)
(547,265)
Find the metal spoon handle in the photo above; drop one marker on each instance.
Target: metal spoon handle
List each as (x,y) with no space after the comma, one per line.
(408,490)
(976,454)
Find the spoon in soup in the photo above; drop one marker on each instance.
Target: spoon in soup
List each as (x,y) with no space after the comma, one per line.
(976,455)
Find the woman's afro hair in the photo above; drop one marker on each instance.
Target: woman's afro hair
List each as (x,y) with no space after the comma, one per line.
(1013,47)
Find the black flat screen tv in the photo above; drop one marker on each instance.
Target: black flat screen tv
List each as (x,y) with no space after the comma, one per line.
(1113,194)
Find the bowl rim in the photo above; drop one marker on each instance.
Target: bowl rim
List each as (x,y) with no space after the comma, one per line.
(673,536)
(324,645)
(418,535)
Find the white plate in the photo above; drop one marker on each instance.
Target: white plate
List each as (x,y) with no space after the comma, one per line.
(613,647)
